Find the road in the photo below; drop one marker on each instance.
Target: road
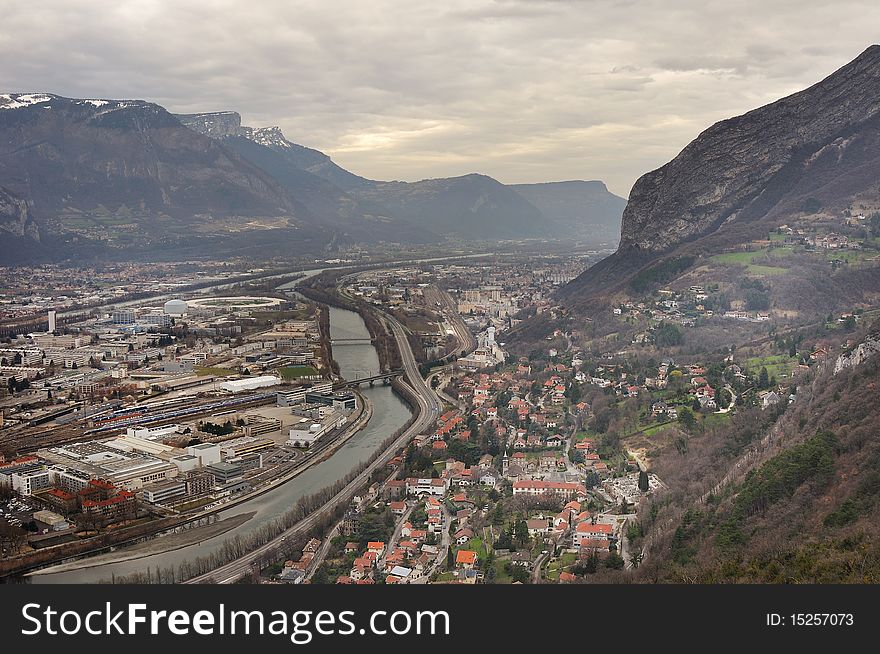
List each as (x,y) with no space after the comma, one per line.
(321,554)
(443,545)
(541,560)
(395,537)
(440,375)
(428,409)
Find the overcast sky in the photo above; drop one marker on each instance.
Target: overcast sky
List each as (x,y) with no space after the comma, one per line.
(525,91)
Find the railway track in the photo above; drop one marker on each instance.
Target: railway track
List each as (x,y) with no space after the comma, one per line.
(54,436)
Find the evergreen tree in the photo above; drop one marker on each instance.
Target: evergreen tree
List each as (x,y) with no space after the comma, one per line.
(686,418)
(763,379)
(522,532)
(321,576)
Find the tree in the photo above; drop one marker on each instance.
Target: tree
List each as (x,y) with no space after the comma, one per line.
(763,378)
(321,576)
(614,561)
(643,481)
(636,558)
(519,573)
(668,334)
(449,560)
(592,479)
(681,445)
(686,417)
(521,532)
(498,514)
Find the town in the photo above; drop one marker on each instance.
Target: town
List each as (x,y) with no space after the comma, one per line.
(151,416)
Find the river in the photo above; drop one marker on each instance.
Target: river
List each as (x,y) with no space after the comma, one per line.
(389,413)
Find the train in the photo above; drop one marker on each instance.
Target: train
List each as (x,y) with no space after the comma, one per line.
(145,414)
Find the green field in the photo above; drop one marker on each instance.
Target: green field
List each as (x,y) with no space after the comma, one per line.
(849,256)
(501,576)
(778,365)
(218,372)
(748,259)
(555,567)
(715,419)
(295,372)
(476,544)
(653,429)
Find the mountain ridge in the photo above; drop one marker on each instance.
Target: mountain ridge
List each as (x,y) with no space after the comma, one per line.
(102,177)
(472,205)
(747,174)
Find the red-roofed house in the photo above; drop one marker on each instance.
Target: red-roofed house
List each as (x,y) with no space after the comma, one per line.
(586,531)
(465,559)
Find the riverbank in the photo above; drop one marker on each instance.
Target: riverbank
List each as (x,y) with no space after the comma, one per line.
(157,545)
(79,554)
(323,289)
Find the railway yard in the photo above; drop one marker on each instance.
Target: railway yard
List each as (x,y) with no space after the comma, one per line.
(148,412)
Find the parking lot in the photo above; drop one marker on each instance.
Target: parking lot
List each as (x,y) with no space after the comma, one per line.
(14,513)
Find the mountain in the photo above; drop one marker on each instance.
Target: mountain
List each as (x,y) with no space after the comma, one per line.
(471,206)
(311,177)
(577,209)
(108,176)
(813,152)
(789,494)
(227,124)
(119,178)
(65,155)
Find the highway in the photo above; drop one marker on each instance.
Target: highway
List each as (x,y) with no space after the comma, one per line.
(429,407)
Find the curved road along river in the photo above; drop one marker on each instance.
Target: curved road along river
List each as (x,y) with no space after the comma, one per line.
(429,408)
(389,414)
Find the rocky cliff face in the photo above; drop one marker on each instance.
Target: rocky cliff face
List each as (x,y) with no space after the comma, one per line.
(762,162)
(860,353)
(216,124)
(63,155)
(14,218)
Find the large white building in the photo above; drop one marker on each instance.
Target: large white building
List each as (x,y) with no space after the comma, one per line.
(250,383)
(175,308)
(565,490)
(305,434)
(419,486)
(129,470)
(207,453)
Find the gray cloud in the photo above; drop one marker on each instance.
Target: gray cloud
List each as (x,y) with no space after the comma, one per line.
(522,90)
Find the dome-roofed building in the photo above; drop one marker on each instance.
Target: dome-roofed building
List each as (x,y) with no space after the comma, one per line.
(175,307)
